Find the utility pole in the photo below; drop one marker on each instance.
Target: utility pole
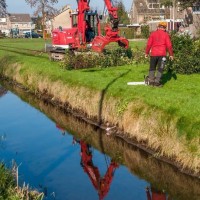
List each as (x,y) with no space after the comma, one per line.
(31,30)
(43,19)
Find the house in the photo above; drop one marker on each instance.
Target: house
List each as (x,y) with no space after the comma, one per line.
(151,12)
(143,11)
(18,24)
(62,19)
(4,26)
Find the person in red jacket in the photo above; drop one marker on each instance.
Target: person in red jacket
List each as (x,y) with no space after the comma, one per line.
(157,45)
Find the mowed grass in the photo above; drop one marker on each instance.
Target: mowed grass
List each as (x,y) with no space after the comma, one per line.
(179,97)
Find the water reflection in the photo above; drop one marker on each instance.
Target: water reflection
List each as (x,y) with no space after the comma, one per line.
(162,176)
(155,194)
(62,130)
(3,91)
(3,141)
(101,184)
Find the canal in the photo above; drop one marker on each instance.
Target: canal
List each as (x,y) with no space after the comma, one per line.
(68,159)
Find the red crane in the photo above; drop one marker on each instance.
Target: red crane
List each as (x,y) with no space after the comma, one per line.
(85,30)
(111,30)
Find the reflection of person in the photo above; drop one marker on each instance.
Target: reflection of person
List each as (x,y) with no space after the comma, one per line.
(61,129)
(155,194)
(158,42)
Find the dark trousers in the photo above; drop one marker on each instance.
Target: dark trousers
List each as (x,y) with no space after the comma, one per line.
(156,62)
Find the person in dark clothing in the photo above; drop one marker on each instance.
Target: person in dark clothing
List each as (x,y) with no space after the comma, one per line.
(89,32)
(157,45)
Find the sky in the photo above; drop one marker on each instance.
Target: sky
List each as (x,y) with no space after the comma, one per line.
(20,6)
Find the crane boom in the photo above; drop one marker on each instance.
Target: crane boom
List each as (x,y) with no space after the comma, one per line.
(111,30)
(112,14)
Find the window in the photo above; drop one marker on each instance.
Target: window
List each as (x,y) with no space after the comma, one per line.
(196,9)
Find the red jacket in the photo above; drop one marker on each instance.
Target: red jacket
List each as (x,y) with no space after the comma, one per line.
(158,42)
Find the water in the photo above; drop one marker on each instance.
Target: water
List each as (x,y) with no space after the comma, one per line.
(46,144)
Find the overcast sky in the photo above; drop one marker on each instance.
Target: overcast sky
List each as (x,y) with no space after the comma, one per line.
(19,6)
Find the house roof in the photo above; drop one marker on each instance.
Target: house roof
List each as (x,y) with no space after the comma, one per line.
(63,9)
(19,17)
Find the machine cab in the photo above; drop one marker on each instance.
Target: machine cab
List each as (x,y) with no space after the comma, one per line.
(74,19)
(92,25)
(88,25)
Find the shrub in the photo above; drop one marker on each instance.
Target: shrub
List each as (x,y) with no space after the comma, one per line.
(2,35)
(186,51)
(138,56)
(145,31)
(109,58)
(126,32)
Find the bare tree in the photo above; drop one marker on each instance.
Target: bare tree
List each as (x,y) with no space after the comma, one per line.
(2,8)
(45,8)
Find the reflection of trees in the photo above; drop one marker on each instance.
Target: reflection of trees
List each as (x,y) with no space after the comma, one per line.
(3,91)
(145,166)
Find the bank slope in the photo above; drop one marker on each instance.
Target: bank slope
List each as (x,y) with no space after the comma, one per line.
(165,120)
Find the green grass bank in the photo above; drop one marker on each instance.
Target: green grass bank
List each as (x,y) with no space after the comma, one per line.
(165,120)
(9,188)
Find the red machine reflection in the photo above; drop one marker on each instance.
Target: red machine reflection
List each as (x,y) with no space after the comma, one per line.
(154,194)
(101,184)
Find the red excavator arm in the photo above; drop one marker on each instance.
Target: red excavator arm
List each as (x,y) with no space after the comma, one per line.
(112,31)
(113,15)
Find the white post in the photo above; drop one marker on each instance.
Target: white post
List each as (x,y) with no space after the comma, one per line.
(31,31)
(173,15)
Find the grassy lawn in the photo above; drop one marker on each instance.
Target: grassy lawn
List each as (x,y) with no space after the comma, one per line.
(179,97)
(138,43)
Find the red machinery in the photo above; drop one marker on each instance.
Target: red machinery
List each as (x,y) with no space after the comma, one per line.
(101,184)
(85,30)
